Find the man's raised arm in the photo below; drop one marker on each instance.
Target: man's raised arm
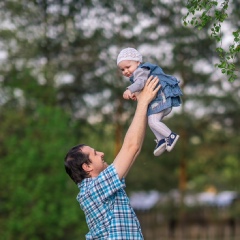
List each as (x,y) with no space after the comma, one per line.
(135,135)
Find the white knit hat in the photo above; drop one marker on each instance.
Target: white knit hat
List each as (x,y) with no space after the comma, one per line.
(129,54)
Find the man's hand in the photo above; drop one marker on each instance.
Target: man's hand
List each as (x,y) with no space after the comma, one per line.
(149,91)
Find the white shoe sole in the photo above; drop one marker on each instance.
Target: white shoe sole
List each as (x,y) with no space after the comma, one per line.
(157,152)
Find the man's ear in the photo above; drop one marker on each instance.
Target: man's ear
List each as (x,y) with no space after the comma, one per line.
(86,167)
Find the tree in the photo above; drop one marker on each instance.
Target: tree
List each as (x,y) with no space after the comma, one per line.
(205,14)
(32,177)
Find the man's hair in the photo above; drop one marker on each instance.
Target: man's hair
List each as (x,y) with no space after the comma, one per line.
(74,160)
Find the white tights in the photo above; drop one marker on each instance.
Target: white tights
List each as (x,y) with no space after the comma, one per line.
(159,129)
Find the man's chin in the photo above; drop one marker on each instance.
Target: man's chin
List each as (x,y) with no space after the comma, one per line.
(105,165)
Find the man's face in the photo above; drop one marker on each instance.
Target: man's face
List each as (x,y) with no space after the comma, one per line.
(128,67)
(97,164)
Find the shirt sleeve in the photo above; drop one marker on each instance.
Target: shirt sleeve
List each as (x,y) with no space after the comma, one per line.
(106,184)
(140,77)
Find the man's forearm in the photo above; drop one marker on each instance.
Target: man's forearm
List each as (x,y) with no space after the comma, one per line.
(132,142)
(140,129)
(136,132)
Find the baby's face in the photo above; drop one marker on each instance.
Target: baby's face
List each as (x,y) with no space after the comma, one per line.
(128,67)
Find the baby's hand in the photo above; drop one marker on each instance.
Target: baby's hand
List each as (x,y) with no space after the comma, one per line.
(134,98)
(127,94)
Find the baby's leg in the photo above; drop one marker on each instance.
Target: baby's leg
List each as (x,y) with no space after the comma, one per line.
(159,129)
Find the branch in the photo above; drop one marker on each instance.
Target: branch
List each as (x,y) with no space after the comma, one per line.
(202,13)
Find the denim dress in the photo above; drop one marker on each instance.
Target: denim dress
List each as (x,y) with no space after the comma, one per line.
(169,94)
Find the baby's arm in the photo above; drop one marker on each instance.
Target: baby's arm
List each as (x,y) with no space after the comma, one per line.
(140,77)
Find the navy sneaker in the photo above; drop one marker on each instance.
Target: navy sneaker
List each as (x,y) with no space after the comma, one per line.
(160,147)
(171,140)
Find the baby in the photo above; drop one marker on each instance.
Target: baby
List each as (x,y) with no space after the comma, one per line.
(130,63)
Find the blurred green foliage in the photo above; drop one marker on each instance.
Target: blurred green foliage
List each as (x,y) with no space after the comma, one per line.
(37,198)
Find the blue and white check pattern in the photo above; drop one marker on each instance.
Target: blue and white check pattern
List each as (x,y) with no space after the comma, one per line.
(107,209)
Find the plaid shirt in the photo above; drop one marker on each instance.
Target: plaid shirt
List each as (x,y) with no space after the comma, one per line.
(107,208)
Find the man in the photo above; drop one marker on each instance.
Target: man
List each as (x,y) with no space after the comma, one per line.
(102,196)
